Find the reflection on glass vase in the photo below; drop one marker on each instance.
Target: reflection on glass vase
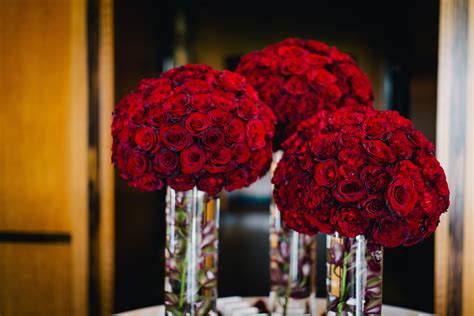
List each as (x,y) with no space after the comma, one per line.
(354,276)
(192,219)
(292,267)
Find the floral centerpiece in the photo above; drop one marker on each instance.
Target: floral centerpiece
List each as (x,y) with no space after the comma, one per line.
(370,178)
(199,131)
(298,78)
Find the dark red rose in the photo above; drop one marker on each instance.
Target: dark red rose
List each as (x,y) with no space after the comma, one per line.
(212,184)
(117,125)
(401,196)
(235,179)
(352,158)
(165,162)
(148,182)
(272,88)
(375,178)
(324,147)
(320,77)
(201,102)
(146,139)
(256,134)
(224,100)
(178,105)
(296,85)
(247,108)
(297,220)
(235,131)
(375,127)
(316,61)
(196,123)
(389,232)
(158,117)
(294,66)
(350,222)
(240,153)
(379,151)
(214,139)
(325,173)
(219,117)
(196,87)
(291,51)
(217,161)
(137,113)
(259,159)
(351,136)
(231,81)
(374,206)
(182,182)
(321,218)
(192,159)
(349,190)
(401,145)
(175,137)
(137,164)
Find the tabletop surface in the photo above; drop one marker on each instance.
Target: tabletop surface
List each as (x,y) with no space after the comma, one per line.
(387,310)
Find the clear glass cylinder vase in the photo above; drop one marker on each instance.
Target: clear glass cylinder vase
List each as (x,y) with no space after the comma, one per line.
(191,254)
(292,266)
(354,276)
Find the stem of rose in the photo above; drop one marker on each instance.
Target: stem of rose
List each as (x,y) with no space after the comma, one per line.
(340,305)
(287,294)
(183,281)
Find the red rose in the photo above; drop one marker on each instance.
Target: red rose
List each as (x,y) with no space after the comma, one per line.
(158,117)
(240,153)
(259,159)
(196,87)
(296,85)
(192,159)
(401,145)
(351,136)
(291,51)
(235,179)
(201,102)
(247,108)
(352,159)
(272,88)
(349,190)
(235,131)
(165,162)
(318,47)
(317,61)
(401,196)
(324,147)
(178,105)
(375,178)
(182,182)
(137,164)
(321,218)
(175,137)
(379,151)
(325,173)
(256,135)
(214,139)
(224,100)
(374,206)
(294,66)
(117,125)
(232,81)
(217,161)
(297,220)
(350,222)
(320,77)
(212,184)
(219,117)
(196,123)
(375,127)
(148,182)
(137,113)
(146,139)
(389,232)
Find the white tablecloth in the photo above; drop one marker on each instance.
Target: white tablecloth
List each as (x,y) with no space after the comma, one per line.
(387,310)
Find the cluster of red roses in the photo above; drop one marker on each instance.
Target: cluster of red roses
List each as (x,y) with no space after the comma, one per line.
(359,171)
(297,78)
(192,126)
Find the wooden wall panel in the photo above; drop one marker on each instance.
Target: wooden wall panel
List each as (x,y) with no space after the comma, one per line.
(34,116)
(25,291)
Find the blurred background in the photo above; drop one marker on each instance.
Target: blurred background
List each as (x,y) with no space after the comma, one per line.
(74,238)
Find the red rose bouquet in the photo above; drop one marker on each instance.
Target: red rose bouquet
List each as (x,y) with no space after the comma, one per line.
(297,78)
(193,126)
(359,171)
